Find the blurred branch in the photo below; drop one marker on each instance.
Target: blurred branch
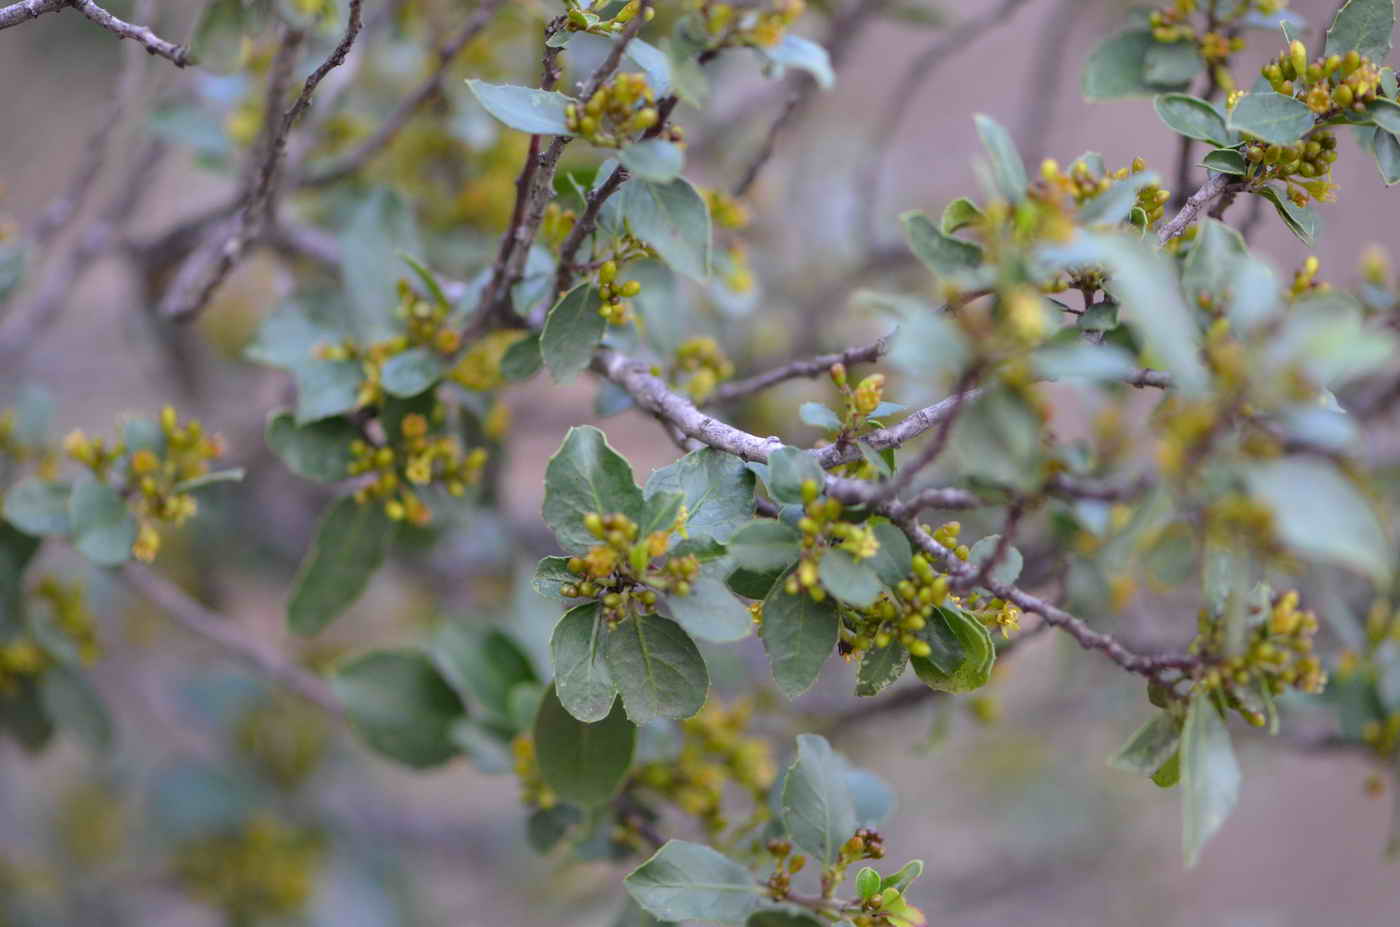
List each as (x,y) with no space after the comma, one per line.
(226,244)
(223,631)
(22,325)
(431,86)
(1038,108)
(902,96)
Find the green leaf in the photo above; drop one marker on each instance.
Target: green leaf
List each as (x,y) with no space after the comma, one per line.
(799,634)
(1007,570)
(1321,515)
(73,705)
(485,662)
(37,507)
(16,550)
(1008,170)
(326,388)
(412,372)
(657,669)
(998,440)
(718,488)
(538,112)
(852,581)
(958,214)
(1145,287)
(880,667)
(977,652)
(381,227)
(523,359)
(894,560)
(660,512)
(765,545)
(1226,161)
(819,416)
(288,337)
(1169,64)
(103,527)
(351,542)
(674,219)
(711,612)
(1301,220)
(545,827)
(581,677)
(685,881)
(583,763)
(816,804)
(1386,113)
(551,575)
(1149,747)
(212,478)
(867,882)
(572,330)
(1387,151)
(1212,262)
(944,255)
(319,451)
(1272,117)
(654,159)
(1113,205)
(399,704)
(218,36)
(784,916)
(794,51)
(1193,117)
(1363,25)
(1115,69)
(586,475)
(789,468)
(1210,777)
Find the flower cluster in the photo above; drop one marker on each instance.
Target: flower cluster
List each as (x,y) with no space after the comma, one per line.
(425,456)
(156,477)
(265,869)
(822,530)
(700,366)
(617,113)
(1327,85)
(715,752)
(1277,654)
(624,571)
(613,292)
(1082,182)
(1305,167)
(760,24)
(582,17)
(1219,40)
(426,325)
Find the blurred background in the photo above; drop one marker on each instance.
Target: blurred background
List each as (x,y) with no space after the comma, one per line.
(1006,797)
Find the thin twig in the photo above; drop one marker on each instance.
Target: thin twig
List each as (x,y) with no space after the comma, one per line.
(431,86)
(564,276)
(154,44)
(809,368)
(1043,85)
(223,631)
(910,471)
(1214,187)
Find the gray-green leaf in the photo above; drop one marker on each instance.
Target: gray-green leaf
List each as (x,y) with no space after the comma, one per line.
(657,668)
(1364,25)
(674,219)
(351,542)
(319,451)
(572,330)
(581,677)
(398,703)
(103,527)
(539,112)
(718,489)
(685,881)
(816,805)
(1210,776)
(583,763)
(799,634)
(586,475)
(1272,117)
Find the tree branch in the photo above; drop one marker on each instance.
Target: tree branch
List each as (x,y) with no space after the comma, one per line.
(1212,188)
(154,44)
(564,275)
(25,10)
(222,631)
(809,368)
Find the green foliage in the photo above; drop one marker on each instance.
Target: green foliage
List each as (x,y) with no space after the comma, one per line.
(583,763)
(351,542)
(401,705)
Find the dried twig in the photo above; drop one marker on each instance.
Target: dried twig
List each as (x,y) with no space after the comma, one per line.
(1216,186)
(154,44)
(809,368)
